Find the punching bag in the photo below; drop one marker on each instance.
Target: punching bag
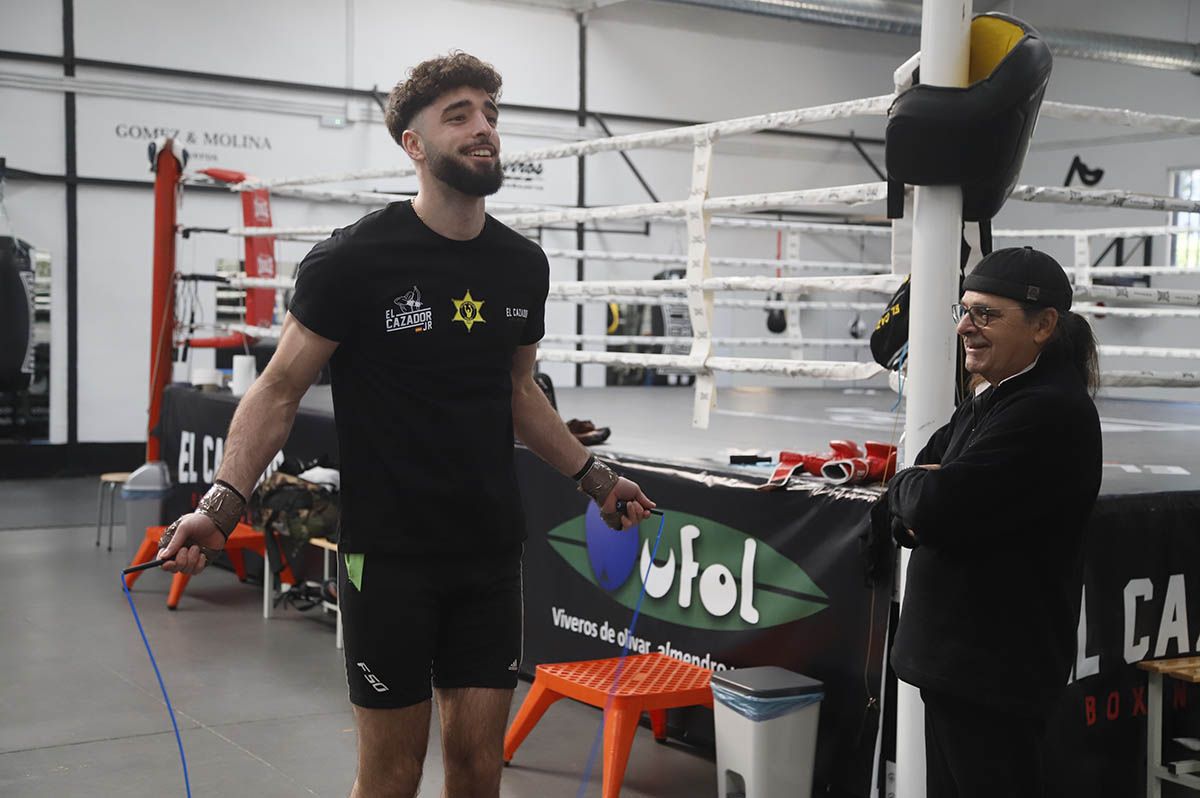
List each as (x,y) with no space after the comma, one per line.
(16,314)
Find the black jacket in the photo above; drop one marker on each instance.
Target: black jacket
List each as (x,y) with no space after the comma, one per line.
(993,588)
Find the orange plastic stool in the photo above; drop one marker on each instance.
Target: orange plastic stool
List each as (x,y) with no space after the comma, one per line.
(650,683)
(243,538)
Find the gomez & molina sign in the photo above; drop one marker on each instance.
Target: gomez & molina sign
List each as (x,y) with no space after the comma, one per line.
(193,138)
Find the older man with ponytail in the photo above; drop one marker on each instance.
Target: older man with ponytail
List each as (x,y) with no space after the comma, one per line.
(995,513)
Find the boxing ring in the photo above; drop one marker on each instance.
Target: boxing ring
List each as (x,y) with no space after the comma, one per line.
(783,577)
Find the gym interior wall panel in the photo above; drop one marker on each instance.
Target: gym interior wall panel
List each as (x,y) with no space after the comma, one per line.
(113,323)
(31,27)
(37,213)
(672,61)
(116,237)
(32,136)
(114,134)
(301,41)
(535,49)
(1156,19)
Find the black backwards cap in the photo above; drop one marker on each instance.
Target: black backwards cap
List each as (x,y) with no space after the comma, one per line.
(1023,274)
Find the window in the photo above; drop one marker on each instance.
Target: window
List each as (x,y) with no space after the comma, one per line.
(1185,247)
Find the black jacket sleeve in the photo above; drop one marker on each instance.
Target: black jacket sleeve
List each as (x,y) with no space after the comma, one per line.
(980,492)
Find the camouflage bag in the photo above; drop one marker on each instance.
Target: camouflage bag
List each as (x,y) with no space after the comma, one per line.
(295,509)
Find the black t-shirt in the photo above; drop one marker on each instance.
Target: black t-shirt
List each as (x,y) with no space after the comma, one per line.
(422,394)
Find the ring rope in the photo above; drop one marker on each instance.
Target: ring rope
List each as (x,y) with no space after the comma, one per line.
(835,195)
(746,263)
(870,106)
(1114,350)
(778,120)
(1138,313)
(1163,123)
(675,340)
(877,283)
(1130,271)
(1113,198)
(1097,232)
(1154,296)
(1150,379)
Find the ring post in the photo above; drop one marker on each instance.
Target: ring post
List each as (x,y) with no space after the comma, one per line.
(937,227)
(168,170)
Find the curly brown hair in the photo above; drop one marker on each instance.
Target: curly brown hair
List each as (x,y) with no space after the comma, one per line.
(431,79)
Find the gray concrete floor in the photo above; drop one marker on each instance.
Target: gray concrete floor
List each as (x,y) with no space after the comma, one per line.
(261,704)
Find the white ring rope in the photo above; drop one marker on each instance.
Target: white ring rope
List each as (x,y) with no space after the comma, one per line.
(841,195)
(1095,232)
(779,120)
(1148,351)
(675,340)
(835,195)
(1150,379)
(1112,198)
(571,295)
(818,369)
(878,283)
(1138,313)
(1154,296)
(741,263)
(1162,123)
(870,106)
(1130,271)
(808,227)
(752,304)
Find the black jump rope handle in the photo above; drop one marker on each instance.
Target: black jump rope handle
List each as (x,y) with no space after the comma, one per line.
(144,566)
(622,504)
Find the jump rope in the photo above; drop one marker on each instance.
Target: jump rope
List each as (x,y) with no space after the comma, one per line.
(612,692)
(587,773)
(187,785)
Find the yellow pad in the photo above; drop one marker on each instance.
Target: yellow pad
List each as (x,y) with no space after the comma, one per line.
(354,570)
(991,40)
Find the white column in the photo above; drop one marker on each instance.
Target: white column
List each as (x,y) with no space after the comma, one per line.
(937,227)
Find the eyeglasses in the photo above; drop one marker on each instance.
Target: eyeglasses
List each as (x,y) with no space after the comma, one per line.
(981,315)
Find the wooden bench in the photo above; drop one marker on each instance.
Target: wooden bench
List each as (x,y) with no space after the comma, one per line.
(1183,772)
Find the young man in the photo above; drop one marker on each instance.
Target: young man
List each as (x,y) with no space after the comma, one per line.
(987,630)
(429,313)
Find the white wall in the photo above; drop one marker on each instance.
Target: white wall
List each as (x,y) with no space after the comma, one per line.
(31,27)
(644,58)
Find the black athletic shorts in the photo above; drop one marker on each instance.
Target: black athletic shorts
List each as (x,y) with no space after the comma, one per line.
(414,623)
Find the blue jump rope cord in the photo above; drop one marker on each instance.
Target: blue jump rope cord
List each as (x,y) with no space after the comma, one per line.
(170,710)
(587,771)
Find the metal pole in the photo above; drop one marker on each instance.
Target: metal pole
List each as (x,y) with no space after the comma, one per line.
(937,227)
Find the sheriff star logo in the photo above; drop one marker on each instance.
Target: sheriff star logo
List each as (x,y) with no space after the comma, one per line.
(468,310)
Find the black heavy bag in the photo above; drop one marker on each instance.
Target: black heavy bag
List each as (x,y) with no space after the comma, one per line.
(16,314)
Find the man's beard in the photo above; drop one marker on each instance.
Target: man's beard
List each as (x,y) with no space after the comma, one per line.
(463,178)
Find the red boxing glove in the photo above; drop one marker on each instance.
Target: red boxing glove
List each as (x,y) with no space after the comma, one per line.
(881,461)
(878,466)
(791,462)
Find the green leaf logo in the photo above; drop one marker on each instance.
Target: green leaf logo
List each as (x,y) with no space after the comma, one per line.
(707,575)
